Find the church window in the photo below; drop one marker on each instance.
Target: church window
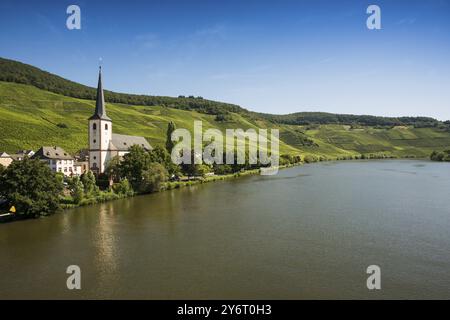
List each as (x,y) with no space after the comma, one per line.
(106,126)
(95,141)
(94,126)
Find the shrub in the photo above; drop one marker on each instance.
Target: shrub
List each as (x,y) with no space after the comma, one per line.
(76,189)
(310,159)
(123,188)
(31,187)
(153,178)
(440,156)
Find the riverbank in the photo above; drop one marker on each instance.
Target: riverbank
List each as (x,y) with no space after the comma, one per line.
(67,202)
(169,185)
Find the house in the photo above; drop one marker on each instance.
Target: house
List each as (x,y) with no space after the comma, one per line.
(17,157)
(103,144)
(81,166)
(58,160)
(23,153)
(5,159)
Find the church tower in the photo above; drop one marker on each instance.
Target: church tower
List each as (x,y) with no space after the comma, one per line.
(100,133)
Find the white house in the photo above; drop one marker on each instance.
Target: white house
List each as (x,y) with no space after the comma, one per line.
(5,159)
(58,160)
(103,144)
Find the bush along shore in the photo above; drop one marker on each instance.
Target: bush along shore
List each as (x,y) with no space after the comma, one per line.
(440,156)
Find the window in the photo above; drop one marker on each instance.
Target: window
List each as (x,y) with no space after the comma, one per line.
(94,126)
(106,126)
(95,157)
(95,141)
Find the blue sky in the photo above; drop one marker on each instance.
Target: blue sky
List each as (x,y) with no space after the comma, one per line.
(268,56)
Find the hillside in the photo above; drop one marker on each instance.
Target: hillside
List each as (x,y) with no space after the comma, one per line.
(17,72)
(14,71)
(31,117)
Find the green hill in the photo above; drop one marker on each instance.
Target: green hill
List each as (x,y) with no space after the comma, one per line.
(38,108)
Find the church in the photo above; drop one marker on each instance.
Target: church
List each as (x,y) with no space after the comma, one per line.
(103,144)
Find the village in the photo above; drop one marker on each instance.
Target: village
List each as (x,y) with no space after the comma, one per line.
(103,146)
(80,173)
(36,183)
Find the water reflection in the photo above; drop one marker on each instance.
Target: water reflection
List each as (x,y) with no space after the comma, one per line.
(308,233)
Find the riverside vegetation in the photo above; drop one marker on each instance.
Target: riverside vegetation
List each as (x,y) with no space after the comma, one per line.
(440,155)
(34,190)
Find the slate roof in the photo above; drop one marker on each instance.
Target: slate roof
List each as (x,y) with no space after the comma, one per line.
(123,142)
(4,155)
(100,110)
(57,153)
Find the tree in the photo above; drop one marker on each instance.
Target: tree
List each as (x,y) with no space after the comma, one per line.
(169,142)
(222,169)
(162,156)
(113,169)
(2,169)
(440,156)
(76,189)
(123,187)
(31,187)
(153,177)
(89,185)
(133,166)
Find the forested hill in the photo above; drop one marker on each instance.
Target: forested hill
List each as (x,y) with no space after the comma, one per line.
(305,118)
(14,71)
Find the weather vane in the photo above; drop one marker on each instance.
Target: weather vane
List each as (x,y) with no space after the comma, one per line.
(100,62)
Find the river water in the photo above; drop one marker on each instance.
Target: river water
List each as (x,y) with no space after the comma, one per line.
(308,232)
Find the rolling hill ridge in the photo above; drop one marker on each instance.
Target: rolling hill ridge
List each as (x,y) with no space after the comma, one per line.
(38,108)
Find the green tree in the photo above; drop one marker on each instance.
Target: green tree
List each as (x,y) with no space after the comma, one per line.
(76,189)
(440,156)
(162,156)
(202,169)
(31,187)
(123,187)
(169,142)
(2,169)
(89,185)
(133,166)
(222,169)
(112,169)
(153,177)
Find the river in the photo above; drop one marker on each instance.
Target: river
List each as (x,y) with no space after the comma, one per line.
(309,232)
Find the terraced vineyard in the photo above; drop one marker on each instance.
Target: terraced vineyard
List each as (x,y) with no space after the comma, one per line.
(31,117)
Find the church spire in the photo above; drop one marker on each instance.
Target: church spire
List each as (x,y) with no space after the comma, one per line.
(100,110)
